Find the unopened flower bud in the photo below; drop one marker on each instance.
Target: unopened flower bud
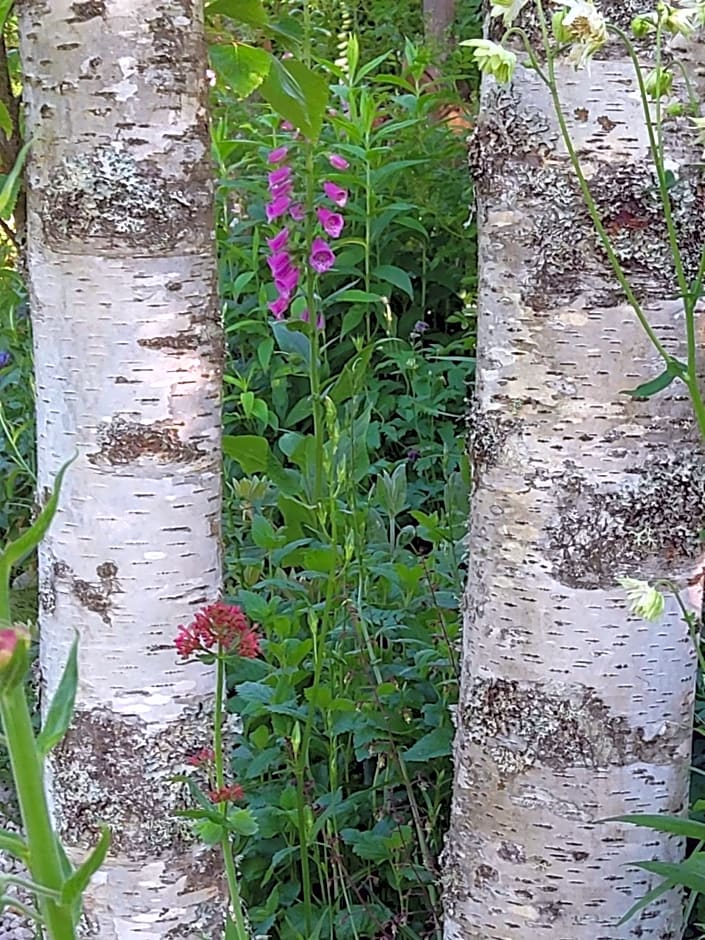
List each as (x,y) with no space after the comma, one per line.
(14,655)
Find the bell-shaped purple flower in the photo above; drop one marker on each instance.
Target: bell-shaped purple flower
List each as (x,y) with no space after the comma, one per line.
(321,258)
(338,162)
(276,156)
(336,194)
(332,222)
(277,207)
(279,241)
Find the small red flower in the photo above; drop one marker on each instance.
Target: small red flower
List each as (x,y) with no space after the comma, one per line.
(203,757)
(227,794)
(219,625)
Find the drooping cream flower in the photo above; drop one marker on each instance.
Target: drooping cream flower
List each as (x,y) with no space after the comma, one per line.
(493,59)
(584,26)
(507,9)
(680,20)
(644,600)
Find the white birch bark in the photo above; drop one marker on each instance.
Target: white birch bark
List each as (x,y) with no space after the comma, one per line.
(128,366)
(572,709)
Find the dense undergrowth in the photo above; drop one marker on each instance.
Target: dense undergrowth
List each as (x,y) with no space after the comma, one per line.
(345,483)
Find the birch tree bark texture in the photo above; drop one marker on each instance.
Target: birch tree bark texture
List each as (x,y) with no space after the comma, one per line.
(572,709)
(128,348)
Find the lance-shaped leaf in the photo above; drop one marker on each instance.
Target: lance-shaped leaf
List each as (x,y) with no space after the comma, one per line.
(74,887)
(60,711)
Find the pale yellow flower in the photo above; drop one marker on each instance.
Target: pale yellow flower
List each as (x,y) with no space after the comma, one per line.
(493,59)
(644,600)
(508,9)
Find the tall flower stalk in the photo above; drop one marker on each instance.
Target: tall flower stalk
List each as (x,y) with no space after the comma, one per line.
(216,632)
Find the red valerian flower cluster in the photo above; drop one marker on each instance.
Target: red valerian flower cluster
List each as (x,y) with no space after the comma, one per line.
(227,794)
(202,758)
(219,626)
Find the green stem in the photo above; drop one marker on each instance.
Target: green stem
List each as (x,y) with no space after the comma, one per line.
(654,132)
(587,195)
(225,842)
(45,863)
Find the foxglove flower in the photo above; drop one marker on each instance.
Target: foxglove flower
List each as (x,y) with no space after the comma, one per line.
(322,258)
(338,162)
(277,207)
(332,222)
(277,156)
(279,306)
(279,241)
(297,212)
(336,194)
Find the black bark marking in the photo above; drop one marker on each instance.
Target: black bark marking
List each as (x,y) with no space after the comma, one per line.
(87,10)
(171,343)
(122,442)
(94,596)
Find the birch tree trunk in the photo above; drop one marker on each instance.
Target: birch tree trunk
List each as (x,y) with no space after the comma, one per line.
(128,366)
(572,709)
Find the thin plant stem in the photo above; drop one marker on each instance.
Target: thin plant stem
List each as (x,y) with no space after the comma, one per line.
(225,842)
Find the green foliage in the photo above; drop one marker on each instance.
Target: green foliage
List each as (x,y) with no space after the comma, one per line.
(346,505)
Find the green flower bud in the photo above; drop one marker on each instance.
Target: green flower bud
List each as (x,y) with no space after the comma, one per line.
(658,83)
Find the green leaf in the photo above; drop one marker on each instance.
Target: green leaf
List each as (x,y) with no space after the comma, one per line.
(263,535)
(60,711)
(250,451)
(646,900)
(689,874)
(674,370)
(17,551)
(251,12)
(242,822)
(73,889)
(436,743)
(243,68)
(354,296)
(5,120)
(677,825)
(11,186)
(292,341)
(13,844)
(396,276)
(5,7)
(298,94)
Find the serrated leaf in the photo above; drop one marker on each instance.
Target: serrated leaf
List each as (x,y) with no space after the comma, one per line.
(61,709)
(243,68)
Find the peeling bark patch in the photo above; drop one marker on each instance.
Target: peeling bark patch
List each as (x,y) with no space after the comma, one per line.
(88,10)
(598,535)
(506,130)
(122,442)
(488,432)
(114,770)
(107,194)
(170,343)
(521,724)
(628,201)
